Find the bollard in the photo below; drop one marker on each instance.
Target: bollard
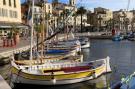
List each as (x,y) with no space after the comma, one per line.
(4,42)
(11,43)
(7,43)
(14,41)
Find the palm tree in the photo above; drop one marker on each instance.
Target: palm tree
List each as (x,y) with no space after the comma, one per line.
(74,15)
(81,11)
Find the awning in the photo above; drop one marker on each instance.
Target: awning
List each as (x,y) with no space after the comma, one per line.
(11,25)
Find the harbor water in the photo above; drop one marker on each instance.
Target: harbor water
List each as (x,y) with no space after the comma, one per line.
(122,61)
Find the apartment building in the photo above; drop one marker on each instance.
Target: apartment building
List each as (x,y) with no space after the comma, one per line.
(10,14)
(100,17)
(123,19)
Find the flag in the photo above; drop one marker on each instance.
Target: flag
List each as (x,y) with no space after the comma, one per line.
(29,17)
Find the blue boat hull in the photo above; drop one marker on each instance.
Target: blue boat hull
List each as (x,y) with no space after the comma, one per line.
(56,51)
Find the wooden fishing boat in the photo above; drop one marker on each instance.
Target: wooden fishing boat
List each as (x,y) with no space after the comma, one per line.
(59,73)
(83,42)
(77,58)
(51,54)
(117,38)
(65,47)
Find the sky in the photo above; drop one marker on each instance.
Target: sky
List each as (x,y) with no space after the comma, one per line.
(109,4)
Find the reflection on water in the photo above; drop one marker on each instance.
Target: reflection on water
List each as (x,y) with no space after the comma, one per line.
(99,83)
(121,53)
(122,63)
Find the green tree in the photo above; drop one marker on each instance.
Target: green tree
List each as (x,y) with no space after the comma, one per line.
(63,16)
(81,11)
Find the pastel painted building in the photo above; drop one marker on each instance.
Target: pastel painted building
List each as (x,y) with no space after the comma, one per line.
(10,11)
(10,16)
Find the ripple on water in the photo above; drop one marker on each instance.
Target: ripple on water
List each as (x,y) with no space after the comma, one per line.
(122,63)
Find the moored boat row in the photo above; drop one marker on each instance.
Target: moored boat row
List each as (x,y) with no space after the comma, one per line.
(56,64)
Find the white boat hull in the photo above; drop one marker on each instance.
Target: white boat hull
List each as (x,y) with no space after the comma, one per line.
(86,45)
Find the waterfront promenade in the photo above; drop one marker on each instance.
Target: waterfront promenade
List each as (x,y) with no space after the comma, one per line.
(24,42)
(21,46)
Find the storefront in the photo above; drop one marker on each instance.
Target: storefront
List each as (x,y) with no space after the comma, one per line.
(6,28)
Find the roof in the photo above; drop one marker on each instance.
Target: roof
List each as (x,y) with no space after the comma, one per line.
(11,25)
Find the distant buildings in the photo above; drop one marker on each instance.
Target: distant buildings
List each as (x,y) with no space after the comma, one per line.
(99,18)
(122,20)
(103,18)
(13,14)
(62,10)
(57,13)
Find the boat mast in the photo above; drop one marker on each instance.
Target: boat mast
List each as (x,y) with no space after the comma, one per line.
(47,27)
(31,41)
(43,30)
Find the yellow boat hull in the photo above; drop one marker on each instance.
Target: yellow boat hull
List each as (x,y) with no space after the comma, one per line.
(57,77)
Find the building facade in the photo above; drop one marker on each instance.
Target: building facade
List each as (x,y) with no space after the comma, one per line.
(10,14)
(62,10)
(99,18)
(10,11)
(133,21)
(122,20)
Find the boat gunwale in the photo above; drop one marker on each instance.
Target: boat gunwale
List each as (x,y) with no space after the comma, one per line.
(65,73)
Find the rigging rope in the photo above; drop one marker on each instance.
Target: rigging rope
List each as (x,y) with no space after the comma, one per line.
(128,5)
(60,26)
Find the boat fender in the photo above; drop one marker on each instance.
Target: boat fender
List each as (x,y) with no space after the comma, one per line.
(53,79)
(94,75)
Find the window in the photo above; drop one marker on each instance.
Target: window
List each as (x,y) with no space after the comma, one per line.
(73,3)
(15,14)
(49,11)
(0,12)
(35,10)
(9,2)
(5,31)
(48,6)
(14,3)
(4,2)
(0,33)
(3,12)
(10,12)
(6,13)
